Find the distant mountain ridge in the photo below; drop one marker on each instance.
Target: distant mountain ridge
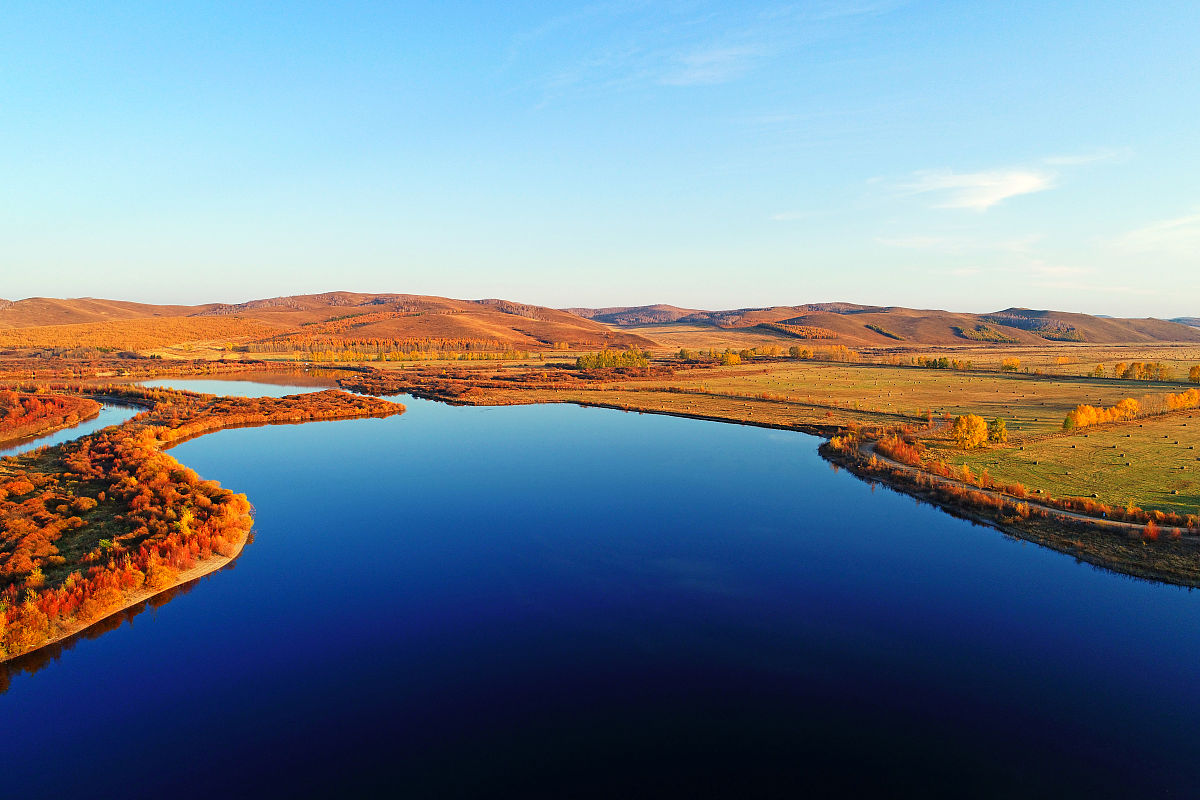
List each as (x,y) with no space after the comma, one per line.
(888,326)
(358,316)
(658,314)
(365,316)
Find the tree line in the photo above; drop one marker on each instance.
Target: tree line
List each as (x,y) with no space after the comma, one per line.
(609,359)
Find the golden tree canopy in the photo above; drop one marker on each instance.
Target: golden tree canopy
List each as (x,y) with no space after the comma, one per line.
(970,431)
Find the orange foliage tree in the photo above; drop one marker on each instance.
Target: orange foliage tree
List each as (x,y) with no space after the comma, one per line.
(969,431)
(1084,415)
(26,413)
(1184,400)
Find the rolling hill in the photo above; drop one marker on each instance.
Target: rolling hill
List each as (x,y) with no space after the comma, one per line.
(271,324)
(52,311)
(860,325)
(90,322)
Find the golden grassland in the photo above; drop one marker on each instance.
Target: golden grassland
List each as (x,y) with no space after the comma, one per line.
(1151,462)
(136,334)
(695,337)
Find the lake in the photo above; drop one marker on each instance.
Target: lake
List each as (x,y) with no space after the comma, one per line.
(555,601)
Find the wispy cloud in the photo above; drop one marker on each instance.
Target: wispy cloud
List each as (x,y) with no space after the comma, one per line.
(986,188)
(977,190)
(1179,236)
(620,45)
(711,66)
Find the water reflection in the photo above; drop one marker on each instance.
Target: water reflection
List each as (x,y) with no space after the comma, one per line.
(276,383)
(39,659)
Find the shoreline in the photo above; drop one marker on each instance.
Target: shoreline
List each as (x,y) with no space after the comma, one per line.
(140,596)
(190,429)
(1113,549)
(1058,538)
(62,425)
(1110,549)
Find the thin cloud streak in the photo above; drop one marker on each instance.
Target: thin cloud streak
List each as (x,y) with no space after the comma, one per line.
(677,47)
(978,191)
(712,66)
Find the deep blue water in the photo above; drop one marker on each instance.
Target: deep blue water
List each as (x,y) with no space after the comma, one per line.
(555,601)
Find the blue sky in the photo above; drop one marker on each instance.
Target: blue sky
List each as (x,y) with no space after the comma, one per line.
(963,155)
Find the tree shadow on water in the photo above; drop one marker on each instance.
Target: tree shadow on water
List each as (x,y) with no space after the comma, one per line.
(37,660)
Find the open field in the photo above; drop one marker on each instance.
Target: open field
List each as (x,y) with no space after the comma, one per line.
(1153,462)
(673,337)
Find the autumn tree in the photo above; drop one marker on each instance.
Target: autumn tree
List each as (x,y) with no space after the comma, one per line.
(1084,415)
(969,431)
(1184,400)
(998,431)
(30,628)
(607,359)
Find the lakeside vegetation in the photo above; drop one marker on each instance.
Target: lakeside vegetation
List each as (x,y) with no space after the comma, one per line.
(94,524)
(24,414)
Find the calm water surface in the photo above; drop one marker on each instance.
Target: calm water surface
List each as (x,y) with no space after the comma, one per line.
(110,414)
(556,601)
